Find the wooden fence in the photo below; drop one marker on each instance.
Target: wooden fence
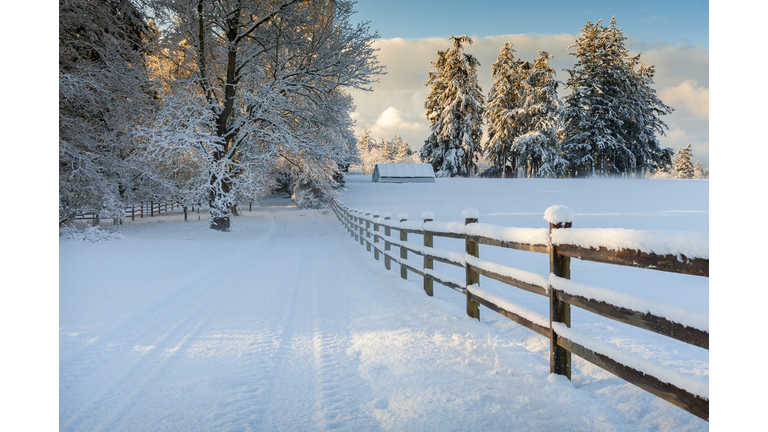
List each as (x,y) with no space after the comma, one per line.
(148,208)
(561,243)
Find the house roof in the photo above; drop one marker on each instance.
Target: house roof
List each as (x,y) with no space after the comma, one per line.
(405,170)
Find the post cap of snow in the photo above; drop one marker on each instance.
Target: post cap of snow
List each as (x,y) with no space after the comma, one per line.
(470,213)
(402,216)
(558,214)
(375,213)
(367,212)
(427,215)
(386,215)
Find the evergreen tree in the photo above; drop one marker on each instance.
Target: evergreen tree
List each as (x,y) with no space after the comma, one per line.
(389,150)
(612,112)
(402,150)
(365,142)
(540,117)
(698,170)
(504,97)
(594,108)
(455,111)
(683,167)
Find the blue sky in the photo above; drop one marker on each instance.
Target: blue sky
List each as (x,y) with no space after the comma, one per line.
(651,21)
(672,35)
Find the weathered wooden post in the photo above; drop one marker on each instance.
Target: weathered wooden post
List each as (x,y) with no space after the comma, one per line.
(470,216)
(185,213)
(356,226)
(151,209)
(428,243)
(559,217)
(360,229)
(367,231)
(387,245)
(142,210)
(376,234)
(348,218)
(403,251)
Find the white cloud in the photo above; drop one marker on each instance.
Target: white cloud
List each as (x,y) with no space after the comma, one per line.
(676,138)
(393,121)
(687,96)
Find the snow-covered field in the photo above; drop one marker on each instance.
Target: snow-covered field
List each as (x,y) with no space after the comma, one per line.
(286,323)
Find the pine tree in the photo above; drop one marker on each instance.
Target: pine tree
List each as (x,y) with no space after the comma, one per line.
(540,117)
(504,97)
(613,113)
(698,170)
(401,148)
(455,111)
(365,142)
(683,167)
(594,138)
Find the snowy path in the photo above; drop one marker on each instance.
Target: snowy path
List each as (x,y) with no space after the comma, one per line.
(284,324)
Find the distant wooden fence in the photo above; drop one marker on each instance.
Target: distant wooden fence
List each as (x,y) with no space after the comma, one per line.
(561,246)
(148,208)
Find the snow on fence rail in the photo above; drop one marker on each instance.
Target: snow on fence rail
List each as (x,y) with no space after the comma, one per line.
(150,209)
(685,253)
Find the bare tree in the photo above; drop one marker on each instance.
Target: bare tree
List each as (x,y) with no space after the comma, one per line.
(104,92)
(250,88)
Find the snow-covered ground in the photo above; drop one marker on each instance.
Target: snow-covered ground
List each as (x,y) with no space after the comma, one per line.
(286,323)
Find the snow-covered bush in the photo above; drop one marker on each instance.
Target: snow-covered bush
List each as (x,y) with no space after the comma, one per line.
(87,233)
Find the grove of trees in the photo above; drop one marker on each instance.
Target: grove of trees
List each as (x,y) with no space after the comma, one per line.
(207,101)
(607,125)
(372,152)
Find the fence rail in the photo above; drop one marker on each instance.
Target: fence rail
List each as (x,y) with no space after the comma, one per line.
(148,208)
(561,243)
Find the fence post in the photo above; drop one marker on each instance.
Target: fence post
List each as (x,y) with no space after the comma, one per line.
(375,234)
(387,245)
(367,231)
(403,252)
(559,217)
(473,308)
(152,209)
(349,218)
(354,224)
(142,210)
(360,227)
(428,243)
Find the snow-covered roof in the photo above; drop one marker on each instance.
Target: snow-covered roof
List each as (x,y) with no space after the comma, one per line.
(405,170)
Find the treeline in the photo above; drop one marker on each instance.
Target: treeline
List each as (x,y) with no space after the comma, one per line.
(372,152)
(206,101)
(607,125)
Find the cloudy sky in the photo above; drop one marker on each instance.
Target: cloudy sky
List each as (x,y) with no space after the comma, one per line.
(673,35)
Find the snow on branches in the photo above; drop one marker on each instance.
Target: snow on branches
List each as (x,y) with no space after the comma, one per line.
(455,106)
(250,89)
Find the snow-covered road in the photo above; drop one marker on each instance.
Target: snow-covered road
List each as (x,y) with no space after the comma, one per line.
(286,324)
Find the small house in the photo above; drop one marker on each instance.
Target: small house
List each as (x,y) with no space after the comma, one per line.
(403,173)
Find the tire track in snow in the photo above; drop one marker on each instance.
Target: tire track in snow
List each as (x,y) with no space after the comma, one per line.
(248,405)
(168,323)
(340,392)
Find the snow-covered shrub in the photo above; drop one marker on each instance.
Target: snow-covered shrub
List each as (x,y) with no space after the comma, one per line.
(87,233)
(307,197)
